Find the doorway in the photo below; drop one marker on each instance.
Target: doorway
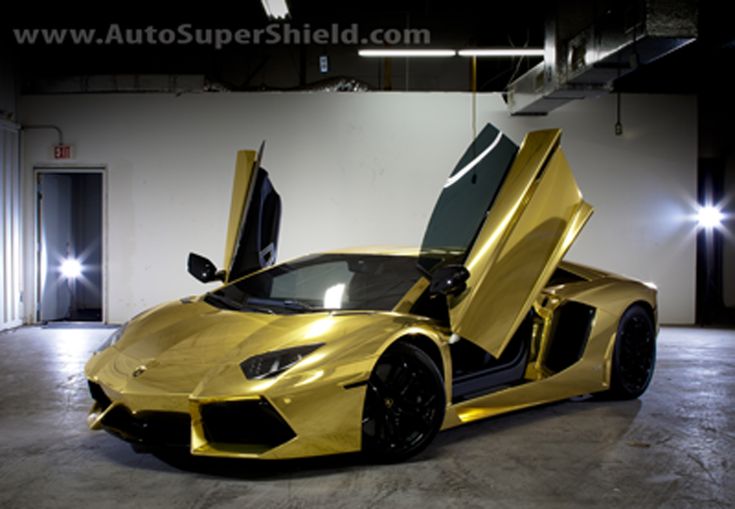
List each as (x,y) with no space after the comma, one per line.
(70,208)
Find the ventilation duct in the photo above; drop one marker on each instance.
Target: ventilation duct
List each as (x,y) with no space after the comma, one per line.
(582,63)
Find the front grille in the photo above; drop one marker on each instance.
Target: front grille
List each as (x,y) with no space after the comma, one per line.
(99,395)
(150,428)
(253,422)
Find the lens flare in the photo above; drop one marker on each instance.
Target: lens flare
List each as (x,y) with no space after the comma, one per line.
(71,268)
(710,216)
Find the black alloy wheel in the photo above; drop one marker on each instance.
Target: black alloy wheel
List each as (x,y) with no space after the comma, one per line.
(404,404)
(635,354)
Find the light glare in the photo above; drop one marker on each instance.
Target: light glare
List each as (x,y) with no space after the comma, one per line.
(502,52)
(333,296)
(275,9)
(710,217)
(388,53)
(71,268)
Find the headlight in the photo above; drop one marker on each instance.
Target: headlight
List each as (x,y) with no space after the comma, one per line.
(273,363)
(114,337)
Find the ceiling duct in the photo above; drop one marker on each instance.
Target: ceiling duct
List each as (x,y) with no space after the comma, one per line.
(586,51)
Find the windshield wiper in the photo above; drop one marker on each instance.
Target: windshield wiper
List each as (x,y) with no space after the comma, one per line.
(218,298)
(297,304)
(235,305)
(259,309)
(291,304)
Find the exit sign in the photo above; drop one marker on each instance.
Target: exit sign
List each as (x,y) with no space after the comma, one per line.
(62,151)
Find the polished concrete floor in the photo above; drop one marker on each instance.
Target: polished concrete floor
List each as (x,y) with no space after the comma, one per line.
(672,448)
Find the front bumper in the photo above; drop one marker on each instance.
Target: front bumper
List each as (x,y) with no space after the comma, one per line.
(273,426)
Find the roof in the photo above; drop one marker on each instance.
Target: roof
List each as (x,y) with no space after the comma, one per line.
(378,250)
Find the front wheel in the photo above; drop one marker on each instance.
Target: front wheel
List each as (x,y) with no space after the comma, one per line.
(634,356)
(404,404)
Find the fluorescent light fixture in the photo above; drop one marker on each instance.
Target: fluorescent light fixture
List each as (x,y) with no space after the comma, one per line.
(388,53)
(275,9)
(502,52)
(710,216)
(71,268)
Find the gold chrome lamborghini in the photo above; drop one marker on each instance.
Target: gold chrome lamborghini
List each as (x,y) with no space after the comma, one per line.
(376,350)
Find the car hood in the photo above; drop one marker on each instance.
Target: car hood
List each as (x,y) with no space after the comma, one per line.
(179,344)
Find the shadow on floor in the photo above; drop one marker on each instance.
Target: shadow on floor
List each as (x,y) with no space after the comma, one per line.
(624,413)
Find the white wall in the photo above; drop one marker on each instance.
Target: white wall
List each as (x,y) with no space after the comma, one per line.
(356,169)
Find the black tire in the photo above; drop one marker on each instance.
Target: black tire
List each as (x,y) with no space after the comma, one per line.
(634,357)
(404,404)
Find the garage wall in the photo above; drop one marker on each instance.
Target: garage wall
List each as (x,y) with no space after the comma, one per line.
(728,254)
(356,169)
(10,213)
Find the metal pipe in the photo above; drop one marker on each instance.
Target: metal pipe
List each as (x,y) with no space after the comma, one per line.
(45,126)
(473,80)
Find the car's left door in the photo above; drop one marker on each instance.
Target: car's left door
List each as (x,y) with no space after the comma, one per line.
(255,217)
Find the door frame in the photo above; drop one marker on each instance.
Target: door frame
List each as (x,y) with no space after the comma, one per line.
(68,168)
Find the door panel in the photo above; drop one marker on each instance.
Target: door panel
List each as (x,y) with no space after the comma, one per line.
(466,198)
(56,244)
(241,185)
(537,215)
(255,215)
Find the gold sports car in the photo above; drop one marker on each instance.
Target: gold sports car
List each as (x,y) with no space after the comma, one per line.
(376,350)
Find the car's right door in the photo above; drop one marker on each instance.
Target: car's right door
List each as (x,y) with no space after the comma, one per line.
(509,218)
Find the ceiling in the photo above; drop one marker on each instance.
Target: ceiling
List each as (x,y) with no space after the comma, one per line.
(699,66)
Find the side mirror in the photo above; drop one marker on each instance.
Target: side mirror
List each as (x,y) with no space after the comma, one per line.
(203,269)
(449,280)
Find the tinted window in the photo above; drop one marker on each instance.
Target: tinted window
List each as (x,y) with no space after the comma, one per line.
(310,281)
(320,282)
(467,196)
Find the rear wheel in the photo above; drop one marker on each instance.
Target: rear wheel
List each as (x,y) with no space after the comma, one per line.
(635,354)
(404,404)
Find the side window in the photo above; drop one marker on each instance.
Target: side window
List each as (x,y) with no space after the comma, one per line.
(467,196)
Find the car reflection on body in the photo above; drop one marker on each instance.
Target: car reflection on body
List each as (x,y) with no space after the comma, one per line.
(378,349)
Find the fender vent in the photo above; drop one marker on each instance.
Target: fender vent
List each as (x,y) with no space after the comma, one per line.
(572,326)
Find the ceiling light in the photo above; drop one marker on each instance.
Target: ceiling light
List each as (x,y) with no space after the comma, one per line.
(388,53)
(275,9)
(502,52)
(71,268)
(710,216)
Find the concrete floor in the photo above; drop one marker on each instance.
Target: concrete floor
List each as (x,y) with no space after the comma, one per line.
(671,448)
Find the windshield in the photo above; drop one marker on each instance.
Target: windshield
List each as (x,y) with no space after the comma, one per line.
(468,194)
(322,282)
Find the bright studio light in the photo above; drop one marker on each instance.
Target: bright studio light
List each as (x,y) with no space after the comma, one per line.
(71,268)
(710,217)
(275,9)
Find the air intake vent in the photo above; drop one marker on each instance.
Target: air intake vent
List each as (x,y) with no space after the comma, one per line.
(245,422)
